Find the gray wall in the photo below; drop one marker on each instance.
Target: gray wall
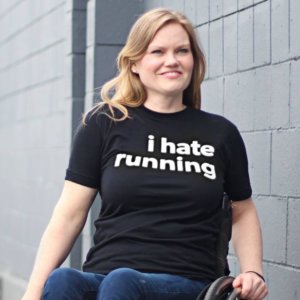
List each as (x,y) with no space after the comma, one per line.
(54,54)
(34,130)
(252,49)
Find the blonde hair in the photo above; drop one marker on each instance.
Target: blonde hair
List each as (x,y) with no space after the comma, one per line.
(126,88)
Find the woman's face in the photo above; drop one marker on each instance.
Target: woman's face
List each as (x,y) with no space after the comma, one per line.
(166,67)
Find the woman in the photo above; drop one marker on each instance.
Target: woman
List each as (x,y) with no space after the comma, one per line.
(161,166)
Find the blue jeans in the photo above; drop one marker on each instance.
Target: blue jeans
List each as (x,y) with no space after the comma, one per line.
(120,284)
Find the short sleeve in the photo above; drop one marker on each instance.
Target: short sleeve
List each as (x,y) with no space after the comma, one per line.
(85,160)
(237,181)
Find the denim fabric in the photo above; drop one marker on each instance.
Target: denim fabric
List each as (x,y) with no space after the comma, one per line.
(120,284)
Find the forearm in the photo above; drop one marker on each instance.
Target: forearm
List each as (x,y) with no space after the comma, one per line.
(55,246)
(246,237)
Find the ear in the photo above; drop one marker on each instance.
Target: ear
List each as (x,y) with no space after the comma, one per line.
(134,69)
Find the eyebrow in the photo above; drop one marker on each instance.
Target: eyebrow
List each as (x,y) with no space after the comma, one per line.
(162,47)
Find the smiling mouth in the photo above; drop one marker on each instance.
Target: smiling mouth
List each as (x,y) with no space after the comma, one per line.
(171,73)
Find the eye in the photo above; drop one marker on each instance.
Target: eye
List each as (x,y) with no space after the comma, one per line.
(156,51)
(183,50)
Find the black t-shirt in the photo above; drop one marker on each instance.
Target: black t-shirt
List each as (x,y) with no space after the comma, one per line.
(161,177)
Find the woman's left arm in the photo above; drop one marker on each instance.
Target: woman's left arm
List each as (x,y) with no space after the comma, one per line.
(247,243)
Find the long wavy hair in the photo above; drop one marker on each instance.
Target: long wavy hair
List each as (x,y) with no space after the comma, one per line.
(126,89)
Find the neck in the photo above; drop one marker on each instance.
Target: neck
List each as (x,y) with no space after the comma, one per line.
(164,104)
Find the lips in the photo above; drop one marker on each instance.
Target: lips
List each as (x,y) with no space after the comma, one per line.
(171,74)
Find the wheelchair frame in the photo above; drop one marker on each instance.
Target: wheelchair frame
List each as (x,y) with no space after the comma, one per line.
(221,288)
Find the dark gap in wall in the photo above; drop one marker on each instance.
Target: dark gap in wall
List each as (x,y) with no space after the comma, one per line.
(78,52)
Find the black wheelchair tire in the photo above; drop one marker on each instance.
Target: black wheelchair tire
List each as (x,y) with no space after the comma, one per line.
(221,289)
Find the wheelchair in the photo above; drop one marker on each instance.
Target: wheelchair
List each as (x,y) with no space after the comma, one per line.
(221,288)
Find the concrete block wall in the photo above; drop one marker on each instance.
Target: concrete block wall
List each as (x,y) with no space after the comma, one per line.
(34,130)
(253,79)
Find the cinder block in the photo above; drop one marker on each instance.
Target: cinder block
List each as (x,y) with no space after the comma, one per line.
(262,97)
(233,265)
(272,212)
(262,39)
(215,9)
(90,69)
(244,3)
(245,39)
(295,25)
(11,288)
(19,12)
(258,146)
(113,22)
(50,5)
(51,29)
(34,71)
(286,163)
(105,63)
(32,104)
(280,76)
(239,99)
(10,111)
(27,12)
(230,44)
(283,282)
(21,267)
(4,57)
(77,111)
(55,137)
(50,179)
(75,5)
(5,6)
(293,242)
(190,10)
(9,80)
(13,50)
(90,99)
(212,95)
(59,103)
(229,7)
(280,30)
(202,13)
(150,4)
(91,23)
(76,35)
(202,32)
(295,94)
(174,4)
(110,24)
(55,56)
(215,59)
(75,75)
(100,65)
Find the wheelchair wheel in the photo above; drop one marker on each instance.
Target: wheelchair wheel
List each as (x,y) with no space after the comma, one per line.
(220,289)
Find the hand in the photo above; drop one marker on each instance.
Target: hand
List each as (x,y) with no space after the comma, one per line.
(251,286)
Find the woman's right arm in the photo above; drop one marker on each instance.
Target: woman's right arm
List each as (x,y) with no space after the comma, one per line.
(66,223)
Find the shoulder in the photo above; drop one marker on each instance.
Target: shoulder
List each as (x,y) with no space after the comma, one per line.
(213,121)
(100,116)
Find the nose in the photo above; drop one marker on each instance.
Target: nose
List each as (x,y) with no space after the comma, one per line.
(171,60)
